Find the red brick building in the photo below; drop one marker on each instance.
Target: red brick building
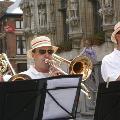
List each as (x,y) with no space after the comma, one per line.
(12,40)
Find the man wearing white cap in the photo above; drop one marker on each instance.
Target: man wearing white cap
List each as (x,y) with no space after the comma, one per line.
(41,50)
(110,68)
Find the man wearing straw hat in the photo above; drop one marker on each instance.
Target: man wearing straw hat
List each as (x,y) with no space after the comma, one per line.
(110,68)
(41,50)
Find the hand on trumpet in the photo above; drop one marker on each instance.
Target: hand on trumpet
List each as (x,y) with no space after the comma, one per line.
(54,70)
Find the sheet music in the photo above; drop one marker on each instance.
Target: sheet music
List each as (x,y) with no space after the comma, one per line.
(65,97)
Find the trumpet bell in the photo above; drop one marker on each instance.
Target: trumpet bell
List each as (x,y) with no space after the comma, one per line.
(5,67)
(81,65)
(20,77)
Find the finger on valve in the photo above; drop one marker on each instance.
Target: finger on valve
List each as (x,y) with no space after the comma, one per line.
(55,73)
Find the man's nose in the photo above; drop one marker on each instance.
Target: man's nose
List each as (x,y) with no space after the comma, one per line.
(46,55)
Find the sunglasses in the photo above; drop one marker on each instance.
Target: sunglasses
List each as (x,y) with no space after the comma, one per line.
(118,32)
(50,52)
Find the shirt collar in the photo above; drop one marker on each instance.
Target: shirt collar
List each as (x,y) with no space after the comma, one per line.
(34,71)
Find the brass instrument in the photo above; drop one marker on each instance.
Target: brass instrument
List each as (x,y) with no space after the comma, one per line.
(79,65)
(5,66)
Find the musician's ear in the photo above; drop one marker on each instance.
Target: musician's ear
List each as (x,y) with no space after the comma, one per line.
(34,50)
(117,37)
(33,53)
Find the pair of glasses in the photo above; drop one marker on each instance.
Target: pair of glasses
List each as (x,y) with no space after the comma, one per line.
(50,52)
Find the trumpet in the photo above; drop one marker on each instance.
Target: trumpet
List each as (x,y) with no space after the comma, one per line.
(5,66)
(79,65)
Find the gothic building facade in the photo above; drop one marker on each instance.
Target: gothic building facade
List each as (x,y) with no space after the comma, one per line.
(109,12)
(67,22)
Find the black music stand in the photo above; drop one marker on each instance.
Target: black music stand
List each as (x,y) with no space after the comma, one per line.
(108,102)
(62,97)
(22,100)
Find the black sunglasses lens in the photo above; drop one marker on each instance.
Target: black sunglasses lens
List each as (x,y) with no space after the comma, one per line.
(42,51)
(50,51)
(118,32)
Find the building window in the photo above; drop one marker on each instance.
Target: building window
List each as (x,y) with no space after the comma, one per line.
(21,67)
(21,45)
(19,24)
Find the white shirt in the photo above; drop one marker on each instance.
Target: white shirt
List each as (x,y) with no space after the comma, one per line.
(34,74)
(110,68)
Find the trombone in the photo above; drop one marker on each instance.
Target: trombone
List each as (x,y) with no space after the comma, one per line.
(79,65)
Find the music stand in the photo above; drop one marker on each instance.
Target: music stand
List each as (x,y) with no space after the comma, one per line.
(62,97)
(22,100)
(108,102)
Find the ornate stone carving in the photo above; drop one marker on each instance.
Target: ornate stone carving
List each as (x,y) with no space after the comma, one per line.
(42,15)
(73,8)
(108,3)
(106,11)
(72,15)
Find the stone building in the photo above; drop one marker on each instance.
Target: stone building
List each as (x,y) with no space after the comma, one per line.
(65,21)
(68,22)
(12,40)
(109,12)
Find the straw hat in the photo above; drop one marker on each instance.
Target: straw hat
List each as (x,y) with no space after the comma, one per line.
(40,42)
(116,29)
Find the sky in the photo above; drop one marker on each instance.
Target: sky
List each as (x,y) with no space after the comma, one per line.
(10,0)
